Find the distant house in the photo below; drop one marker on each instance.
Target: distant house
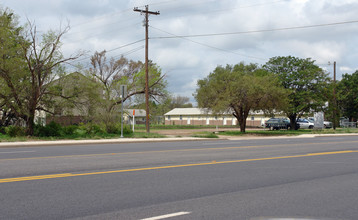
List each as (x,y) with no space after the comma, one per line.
(198,116)
(139,116)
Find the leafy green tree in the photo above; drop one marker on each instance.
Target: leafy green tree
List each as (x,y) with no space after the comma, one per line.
(12,66)
(28,66)
(347,95)
(304,82)
(112,73)
(240,89)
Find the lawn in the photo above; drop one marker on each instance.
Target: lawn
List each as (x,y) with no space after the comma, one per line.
(288,132)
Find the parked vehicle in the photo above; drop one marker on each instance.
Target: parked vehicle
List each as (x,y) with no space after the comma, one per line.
(305,123)
(326,124)
(279,123)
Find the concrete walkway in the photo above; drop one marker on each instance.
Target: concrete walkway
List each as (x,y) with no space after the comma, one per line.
(142,140)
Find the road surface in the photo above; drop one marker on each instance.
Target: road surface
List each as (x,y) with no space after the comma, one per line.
(219,179)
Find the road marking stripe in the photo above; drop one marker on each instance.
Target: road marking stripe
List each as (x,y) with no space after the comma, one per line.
(167,151)
(53,176)
(167,216)
(14,152)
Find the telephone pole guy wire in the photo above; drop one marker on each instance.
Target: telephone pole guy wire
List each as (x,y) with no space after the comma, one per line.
(146,12)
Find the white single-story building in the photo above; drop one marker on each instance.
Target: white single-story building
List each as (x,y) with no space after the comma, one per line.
(139,116)
(198,116)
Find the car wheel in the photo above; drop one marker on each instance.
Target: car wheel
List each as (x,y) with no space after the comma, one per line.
(310,127)
(325,126)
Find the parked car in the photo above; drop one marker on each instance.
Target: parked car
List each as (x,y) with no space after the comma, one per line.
(305,123)
(279,123)
(326,124)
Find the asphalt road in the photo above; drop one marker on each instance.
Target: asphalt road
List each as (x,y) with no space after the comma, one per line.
(221,179)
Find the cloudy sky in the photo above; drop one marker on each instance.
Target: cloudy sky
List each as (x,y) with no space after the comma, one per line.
(191,37)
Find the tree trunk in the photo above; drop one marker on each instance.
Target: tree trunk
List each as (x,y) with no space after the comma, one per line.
(293,123)
(242,122)
(241,116)
(30,124)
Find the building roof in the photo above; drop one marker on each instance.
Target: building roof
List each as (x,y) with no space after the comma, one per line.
(202,111)
(137,113)
(188,111)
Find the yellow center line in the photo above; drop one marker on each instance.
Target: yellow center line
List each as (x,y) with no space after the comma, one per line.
(177,150)
(53,176)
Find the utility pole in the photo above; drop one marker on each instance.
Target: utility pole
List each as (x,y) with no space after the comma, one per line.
(146,12)
(334,97)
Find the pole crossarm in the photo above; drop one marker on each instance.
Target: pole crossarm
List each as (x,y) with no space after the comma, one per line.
(146,11)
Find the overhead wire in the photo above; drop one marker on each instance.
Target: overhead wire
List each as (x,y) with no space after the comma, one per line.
(206,45)
(258,31)
(113,49)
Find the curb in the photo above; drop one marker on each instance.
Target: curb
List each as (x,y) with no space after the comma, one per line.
(145,140)
(100,141)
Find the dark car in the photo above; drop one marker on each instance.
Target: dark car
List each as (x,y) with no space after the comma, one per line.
(279,123)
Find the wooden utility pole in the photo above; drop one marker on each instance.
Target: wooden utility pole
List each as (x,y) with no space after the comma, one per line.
(146,12)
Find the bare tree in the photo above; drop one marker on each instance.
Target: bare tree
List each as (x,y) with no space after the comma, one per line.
(115,72)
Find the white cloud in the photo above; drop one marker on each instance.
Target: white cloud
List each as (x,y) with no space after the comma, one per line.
(108,24)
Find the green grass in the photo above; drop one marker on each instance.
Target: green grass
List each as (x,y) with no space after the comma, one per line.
(146,135)
(205,134)
(6,138)
(289,132)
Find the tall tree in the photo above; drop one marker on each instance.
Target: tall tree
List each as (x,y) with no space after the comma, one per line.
(39,59)
(12,67)
(112,73)
(304,83)
(240,89)
(347,94)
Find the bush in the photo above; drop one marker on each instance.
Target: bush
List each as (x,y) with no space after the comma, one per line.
(50,130)
(113,128)
(14,131)
(116,129)
(2,130)
(69,130)
(95,128)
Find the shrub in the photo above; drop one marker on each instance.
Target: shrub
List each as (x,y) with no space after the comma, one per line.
(95,128)
(14,131)
(116,129)
(2,130)
(113,129)
(50,130)
(69,130)
(127,129)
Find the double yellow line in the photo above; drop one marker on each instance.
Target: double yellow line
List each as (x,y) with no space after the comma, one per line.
(62,175)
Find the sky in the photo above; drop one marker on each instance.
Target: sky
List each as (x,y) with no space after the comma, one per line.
(190,38)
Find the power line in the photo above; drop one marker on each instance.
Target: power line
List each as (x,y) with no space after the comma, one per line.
(116,48)
(122,54)
(206,45)
(258,31)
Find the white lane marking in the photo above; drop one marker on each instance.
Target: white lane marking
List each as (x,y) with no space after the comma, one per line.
(166,216)
(14,152)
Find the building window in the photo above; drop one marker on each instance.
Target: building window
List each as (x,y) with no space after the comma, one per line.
(252,118)
(168,117)
(216,117)
(180,117)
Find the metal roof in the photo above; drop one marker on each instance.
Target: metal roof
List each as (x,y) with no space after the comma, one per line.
(137,113)
(203,111)
(188,111)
